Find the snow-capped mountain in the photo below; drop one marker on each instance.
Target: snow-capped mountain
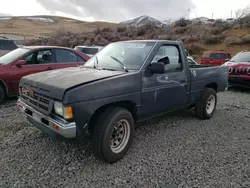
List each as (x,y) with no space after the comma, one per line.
(143,20)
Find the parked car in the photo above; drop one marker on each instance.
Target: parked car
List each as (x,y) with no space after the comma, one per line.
(32,59)
(215,58)
(239,69)
(7,45)
(89,50)
(111,92)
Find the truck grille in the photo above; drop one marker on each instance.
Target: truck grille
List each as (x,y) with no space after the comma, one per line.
(37,100)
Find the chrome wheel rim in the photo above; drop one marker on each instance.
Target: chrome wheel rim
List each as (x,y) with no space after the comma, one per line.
(210,104)
(120,136)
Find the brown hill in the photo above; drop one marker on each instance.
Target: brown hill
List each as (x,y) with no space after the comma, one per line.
(45,25)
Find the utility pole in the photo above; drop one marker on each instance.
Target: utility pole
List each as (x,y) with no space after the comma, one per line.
(212,15)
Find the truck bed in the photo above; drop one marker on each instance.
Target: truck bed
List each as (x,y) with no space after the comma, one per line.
(200,76)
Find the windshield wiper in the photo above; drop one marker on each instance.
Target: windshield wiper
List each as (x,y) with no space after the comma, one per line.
(122,65)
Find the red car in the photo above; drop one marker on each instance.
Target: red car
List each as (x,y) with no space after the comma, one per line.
(239,70)
(215,58)
(32,59)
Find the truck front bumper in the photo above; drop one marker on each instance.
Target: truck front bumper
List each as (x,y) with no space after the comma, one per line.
(51,126)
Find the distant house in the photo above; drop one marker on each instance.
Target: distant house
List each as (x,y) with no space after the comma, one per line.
(210,21)
(200,20)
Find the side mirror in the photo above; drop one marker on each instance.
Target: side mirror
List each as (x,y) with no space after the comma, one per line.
(158,67)
(19,63)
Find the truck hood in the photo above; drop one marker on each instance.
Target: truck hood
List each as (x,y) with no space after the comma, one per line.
(55,83)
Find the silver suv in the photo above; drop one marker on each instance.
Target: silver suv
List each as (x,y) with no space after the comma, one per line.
(6,45)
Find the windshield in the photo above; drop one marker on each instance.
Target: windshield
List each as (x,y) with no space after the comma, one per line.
(241,57)
(13,55)
(128,54)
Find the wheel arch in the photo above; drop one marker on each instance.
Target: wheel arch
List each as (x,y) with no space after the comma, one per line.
(212,85)
(129,105)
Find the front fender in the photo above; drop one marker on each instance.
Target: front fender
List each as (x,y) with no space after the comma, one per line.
(83,111)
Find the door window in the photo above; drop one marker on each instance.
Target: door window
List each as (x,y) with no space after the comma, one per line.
(65,56)
(170,56)
(39,57)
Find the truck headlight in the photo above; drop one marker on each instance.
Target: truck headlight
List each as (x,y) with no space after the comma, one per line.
(65,111)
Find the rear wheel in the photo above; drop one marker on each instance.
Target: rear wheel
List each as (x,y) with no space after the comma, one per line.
(112,135)
(205,108)
(2,94)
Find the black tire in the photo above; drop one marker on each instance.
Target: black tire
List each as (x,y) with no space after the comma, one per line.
(201,107)
(103,129)
(2,94)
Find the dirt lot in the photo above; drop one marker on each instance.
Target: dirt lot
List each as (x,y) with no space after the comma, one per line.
(177,149)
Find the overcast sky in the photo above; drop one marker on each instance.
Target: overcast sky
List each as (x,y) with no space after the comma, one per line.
(120,10)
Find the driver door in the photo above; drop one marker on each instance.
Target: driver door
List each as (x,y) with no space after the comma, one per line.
(168,91)
(36,61)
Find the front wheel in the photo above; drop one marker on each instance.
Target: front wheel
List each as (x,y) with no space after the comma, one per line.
(112,135)
(205,108)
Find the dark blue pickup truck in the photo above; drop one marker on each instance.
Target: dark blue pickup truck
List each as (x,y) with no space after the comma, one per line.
(126,82)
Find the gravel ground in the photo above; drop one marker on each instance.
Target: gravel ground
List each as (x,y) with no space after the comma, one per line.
(178,150)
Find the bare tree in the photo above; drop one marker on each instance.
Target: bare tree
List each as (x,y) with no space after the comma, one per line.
(241,13)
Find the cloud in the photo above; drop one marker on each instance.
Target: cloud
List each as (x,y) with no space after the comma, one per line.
(3,14)
(120,10)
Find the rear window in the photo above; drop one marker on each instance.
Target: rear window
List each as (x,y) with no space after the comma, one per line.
(88,50)
(218,56)
(7,45)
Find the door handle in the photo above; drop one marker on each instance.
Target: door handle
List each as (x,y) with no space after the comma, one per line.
(49,68)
